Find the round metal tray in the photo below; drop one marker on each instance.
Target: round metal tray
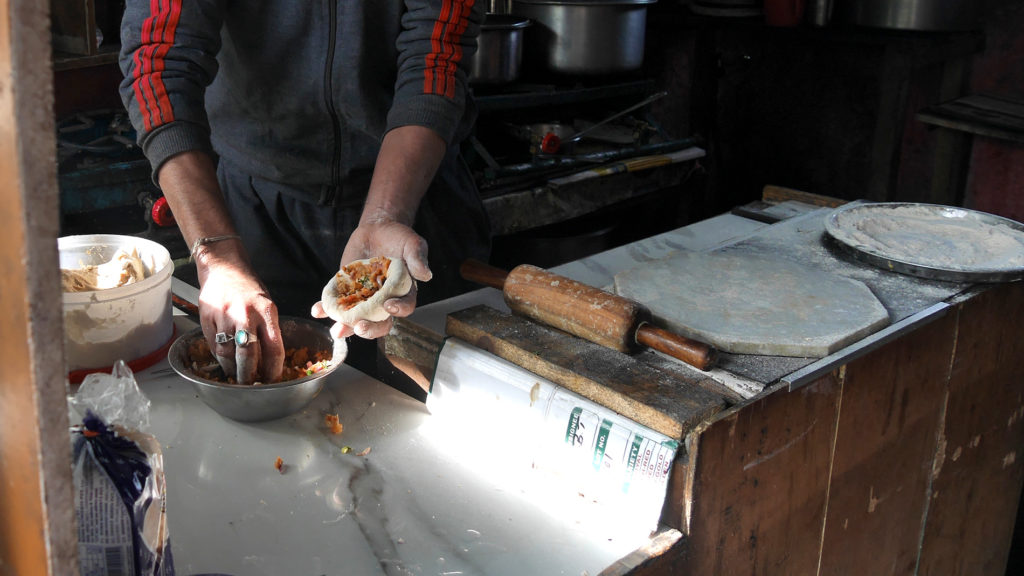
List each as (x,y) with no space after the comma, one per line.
(948,231)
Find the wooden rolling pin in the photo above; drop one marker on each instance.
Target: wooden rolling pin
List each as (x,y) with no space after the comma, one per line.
(590,313)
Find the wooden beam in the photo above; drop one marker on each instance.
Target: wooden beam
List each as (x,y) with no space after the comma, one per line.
(664,402)
(776,194)
(37,512)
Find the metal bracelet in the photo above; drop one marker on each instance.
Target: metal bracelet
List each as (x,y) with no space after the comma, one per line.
(209,240)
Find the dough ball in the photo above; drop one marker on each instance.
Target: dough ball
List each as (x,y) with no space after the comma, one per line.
(358,291)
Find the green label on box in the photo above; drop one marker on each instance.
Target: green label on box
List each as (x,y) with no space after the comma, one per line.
(573,427)
(602,443)
(634,454)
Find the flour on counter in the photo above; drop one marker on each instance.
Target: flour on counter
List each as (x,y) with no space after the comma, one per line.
(952,239)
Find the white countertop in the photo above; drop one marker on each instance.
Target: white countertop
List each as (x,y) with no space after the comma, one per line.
(413,505)
(419,502)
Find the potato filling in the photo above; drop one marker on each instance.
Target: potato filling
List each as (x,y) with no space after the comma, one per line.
(357,281)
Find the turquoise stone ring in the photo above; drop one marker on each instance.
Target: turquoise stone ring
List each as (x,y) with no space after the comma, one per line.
(243,337)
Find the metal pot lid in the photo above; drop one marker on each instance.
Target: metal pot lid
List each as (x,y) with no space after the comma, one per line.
(931,241)
(585,2)
(504,22)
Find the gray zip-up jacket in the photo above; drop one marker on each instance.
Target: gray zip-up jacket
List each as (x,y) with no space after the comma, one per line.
(296,92)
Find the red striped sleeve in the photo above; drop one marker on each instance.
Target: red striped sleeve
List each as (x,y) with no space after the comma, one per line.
(147,76)
(445,50)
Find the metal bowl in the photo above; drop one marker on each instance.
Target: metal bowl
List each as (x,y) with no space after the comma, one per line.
(267,401)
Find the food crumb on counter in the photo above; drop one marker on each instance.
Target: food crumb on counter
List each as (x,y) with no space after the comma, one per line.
(280,465)
(364,452)
(333,423)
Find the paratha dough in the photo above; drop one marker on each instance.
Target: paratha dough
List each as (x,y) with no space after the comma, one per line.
(397,283)
(123,269)
(942,237)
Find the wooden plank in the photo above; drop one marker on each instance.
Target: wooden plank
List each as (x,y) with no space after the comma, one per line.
(981,114)
(679,493)
(760,483)
(413,349)
(653,559)
(664,402)
(892,404)
(980,465)
(771,193)
(37,513)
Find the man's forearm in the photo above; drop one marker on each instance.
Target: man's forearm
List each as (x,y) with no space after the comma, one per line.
(189,182)
(408,159)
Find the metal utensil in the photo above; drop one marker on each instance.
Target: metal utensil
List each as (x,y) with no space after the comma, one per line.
(499,53)
(584,37)
(551,143)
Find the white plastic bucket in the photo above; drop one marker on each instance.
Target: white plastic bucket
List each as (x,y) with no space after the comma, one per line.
(126,323)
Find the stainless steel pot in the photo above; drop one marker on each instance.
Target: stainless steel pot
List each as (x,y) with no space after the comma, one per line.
(925,15)
(499,52)
(584,37)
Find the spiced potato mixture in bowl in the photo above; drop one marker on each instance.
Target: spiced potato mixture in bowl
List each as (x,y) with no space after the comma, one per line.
(310,355)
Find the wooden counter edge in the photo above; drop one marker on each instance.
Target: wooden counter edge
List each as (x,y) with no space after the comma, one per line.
(775,194)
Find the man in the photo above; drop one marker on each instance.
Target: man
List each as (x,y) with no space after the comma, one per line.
(292,137)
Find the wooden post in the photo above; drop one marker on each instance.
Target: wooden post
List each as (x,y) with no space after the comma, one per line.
(37,518)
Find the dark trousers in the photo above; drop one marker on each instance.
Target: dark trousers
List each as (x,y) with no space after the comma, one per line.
(295,244)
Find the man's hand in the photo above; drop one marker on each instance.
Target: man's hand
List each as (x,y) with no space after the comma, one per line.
(388,239)
(231,297)
(408,159)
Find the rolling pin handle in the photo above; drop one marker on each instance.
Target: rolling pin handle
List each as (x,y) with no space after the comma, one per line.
(694,353)
(483,273)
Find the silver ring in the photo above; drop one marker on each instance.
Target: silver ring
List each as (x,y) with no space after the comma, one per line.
(244,337)
(222,338)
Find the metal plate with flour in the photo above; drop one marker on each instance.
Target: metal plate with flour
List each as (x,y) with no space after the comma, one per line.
(931,240)
(747,302)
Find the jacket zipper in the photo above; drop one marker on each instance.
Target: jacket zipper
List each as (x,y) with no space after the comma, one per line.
(327,197)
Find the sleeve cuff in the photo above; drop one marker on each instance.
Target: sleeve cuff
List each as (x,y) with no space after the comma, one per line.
(435,112)
(173,139)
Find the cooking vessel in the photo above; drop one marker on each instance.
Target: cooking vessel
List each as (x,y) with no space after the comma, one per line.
(131,322)
(584,37)
(499,52)
(924,15)
(266,401)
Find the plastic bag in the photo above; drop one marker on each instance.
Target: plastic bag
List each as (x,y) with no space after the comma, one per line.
(115,398)
(120,495)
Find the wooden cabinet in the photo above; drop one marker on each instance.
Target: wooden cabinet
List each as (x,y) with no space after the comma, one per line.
(907,460)
(900,455)
(85,32)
